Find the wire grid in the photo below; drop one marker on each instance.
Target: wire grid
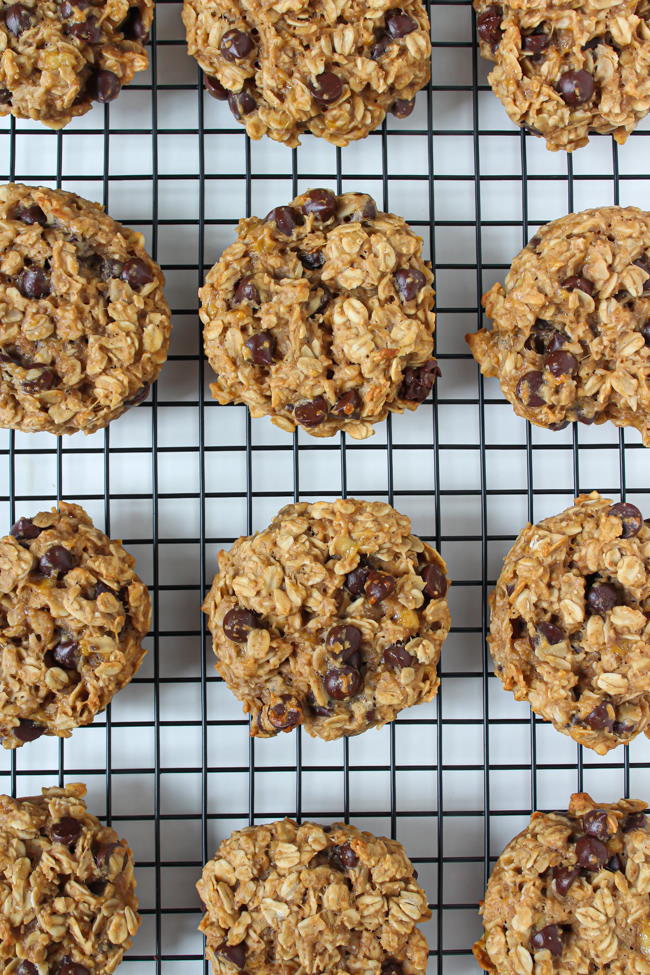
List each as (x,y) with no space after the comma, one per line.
(170,763)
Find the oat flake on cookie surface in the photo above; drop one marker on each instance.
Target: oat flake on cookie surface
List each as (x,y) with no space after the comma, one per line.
(330,67)
(321,316)
(67,890)
(73,615)
(289,899)
(84,325)
(58,57)
(569,894)
(568,68)
(570,630)
(570,336)
(332,617)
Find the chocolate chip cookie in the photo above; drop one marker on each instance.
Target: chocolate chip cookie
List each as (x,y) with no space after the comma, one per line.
(570,628)
(570,337)
(570,894)
(333,617)
(84,326)
(320,316)
(73,614)
(565,69)
(68,904)
(312,899)
(331,69)
(61,56)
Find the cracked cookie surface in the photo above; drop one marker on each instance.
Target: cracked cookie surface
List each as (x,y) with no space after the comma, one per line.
(58,58)
(570,627)
(570,336)
(333,69)
(333,617)
(297,900)
(73,614)
(321,316)
(569,894)
(84,326)
(570,68)
(67,887)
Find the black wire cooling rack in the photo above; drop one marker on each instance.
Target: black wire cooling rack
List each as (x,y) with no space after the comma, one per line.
(170,763)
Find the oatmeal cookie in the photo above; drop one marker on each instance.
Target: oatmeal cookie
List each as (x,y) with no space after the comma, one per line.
(332,617)
(334,69)
(568,68)
(570,337)
(73,614)
(569,894)
(84,325)
(570,628)
(301,900)
(60,57)
(320,316)
(67,888)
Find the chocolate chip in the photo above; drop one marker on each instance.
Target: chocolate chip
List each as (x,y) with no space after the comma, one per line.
(237,624)
(561,363)
(103,86)
(66,830)
(488,24)
(262,348)
(381,45)
(311,261)
(326,297)
(356,580)
(536,42)
(344,639)
(246,291)
(403,107)
(241,103)
(25,529)
(66,653)
(326,88)
(552,634)
(236,45)
(342,857)
(595,823)
(549,937)
(100,588)
(46,379)
(392,967)
(622,730)
(378,586)
(133,26)
(634,821)
(527,389)
(70,967)
(139,396)
(564,877)
(110,268)
(545,337)
(87,30)
(631,518)
(30,215)
(396,656)
(578,283)
(435,581)
(28,730)
(103,852)
(409,282)
(576,87)
(600,718)
(17,18)
(136,273)
(34,282)
(26,968)
(96,887)
(5,96)
(348,405)
(644,263)
(312,412)
(399,23)
(591,854)
(56,561)
(645,331)
(614,864)
(317,709)
(602,597)
(286,714)
(214,87)
(341,683)
(367,212)
(322,203)
(418,381)
(286,219)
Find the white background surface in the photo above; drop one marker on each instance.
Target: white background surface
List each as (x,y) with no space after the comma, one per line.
(171,764)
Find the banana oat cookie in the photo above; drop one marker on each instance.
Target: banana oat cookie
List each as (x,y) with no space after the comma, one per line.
(570,628)
(84,325)
(569,894)
(334,69)
(312,899)
(568,68)
(320,316)
(73,614)
(67,890)
(60,56)
(570,337)
(332,617)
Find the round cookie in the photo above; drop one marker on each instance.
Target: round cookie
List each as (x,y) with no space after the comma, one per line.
(286,898)
(320,316)
(331,69)
(570,337)
(85,325)
(67,889)
(73,614)
(570,894)
(567,69)
(60,56)
(333,617)
(570,628)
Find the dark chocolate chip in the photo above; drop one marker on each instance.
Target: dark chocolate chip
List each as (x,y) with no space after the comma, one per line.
(536,42)
(644,263)
(418,381)
(383,41)
(645,331)
(591,853)
(70,967)
(378,586)
(549,937)
(286,219)
(631,518)
(87,30)
(103,86)
(545,337)
(237,624)
(488,24)
(312,412)
(317,709)
(435,581)
(326,88)
(34,282)
(96,887)
(399,23)
(46,379)
(136,273)
(348,405)
(622,730)
(286,714)
(356,580)
(561,363)
(236,45)
(262,348)
(403,107)
(246,291)
(409,282)
(18,18)
(26,968)
(214,87)
(552,634)
(600,718)
(396,656)
(391,966)
(595,824)
(614,864)
(66,653)
(25,529)
(342,683)
(322,203)
(66,830)
(110,268)
(564,878)
(28,730)
(343,640)
(56,561)
(5,96)
(602,597)
(576,87)
(103,852)
(634,821)
(527,389)
(342,857)
(311,261)
(133,26)
(241,103)
(578,283)
(30,215)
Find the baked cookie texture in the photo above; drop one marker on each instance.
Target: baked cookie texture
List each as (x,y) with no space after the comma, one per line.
(570,336)
(84,325)
(290,899)
(321,316)
(570,894)
(58,58)
(570,68)
(570,629)
(333,69)
(68,903)
(73,614)
(333,617)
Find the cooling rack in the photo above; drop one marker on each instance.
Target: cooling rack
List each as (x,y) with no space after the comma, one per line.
(170,763)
